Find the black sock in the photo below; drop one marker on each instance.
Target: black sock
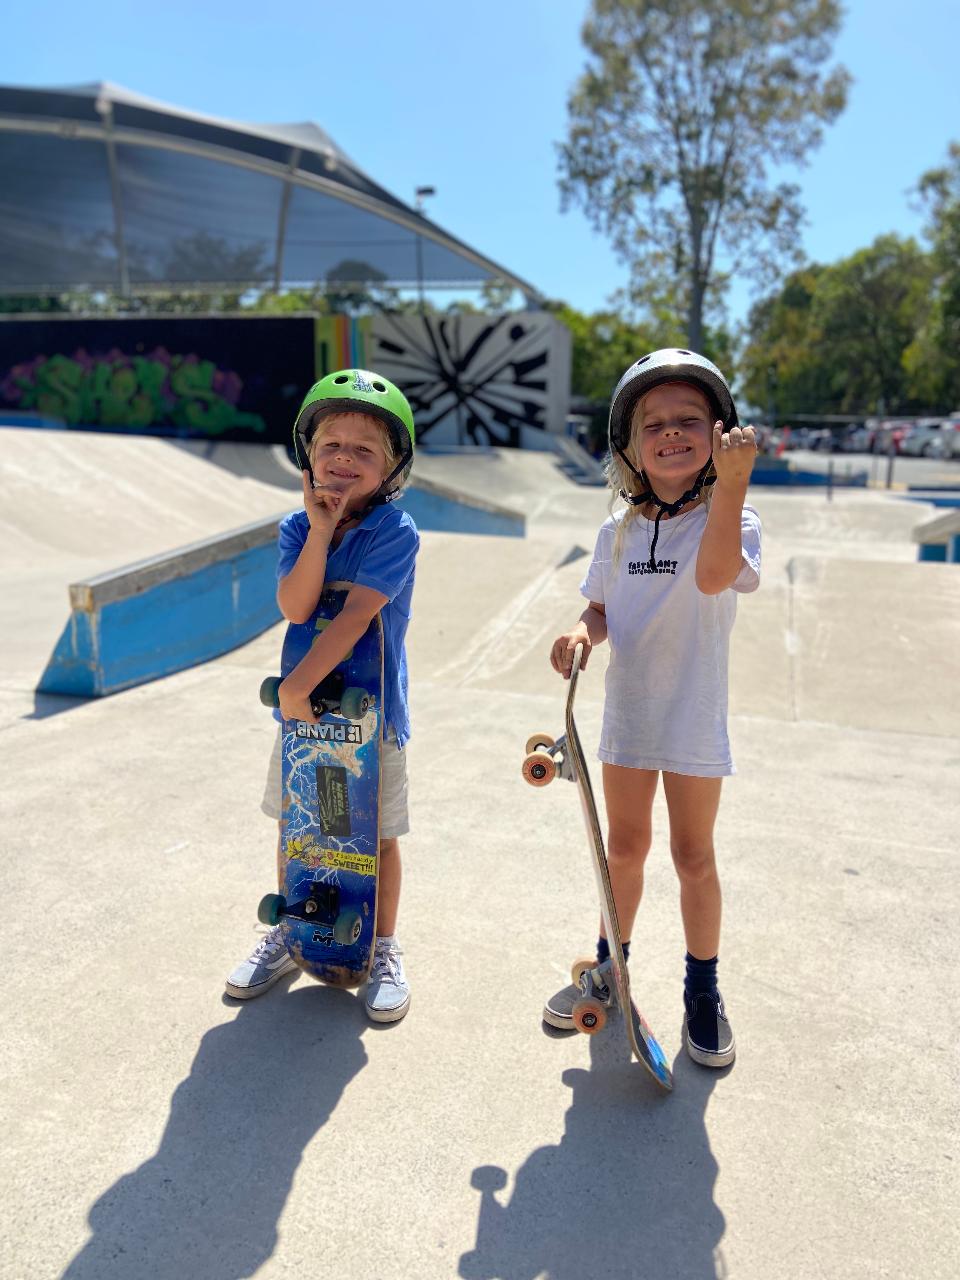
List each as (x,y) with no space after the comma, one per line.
(701,976)
(603,950)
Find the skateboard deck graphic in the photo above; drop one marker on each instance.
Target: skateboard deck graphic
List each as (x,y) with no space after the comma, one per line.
(330,810)
(545,760)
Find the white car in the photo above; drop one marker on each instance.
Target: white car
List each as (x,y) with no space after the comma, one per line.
(951,438)
(857,440)
(926,440)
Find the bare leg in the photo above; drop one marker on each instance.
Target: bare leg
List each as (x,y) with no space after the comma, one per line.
(692,804)
(629,795)
(388,890)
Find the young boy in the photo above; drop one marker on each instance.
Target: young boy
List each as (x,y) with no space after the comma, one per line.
(354,438)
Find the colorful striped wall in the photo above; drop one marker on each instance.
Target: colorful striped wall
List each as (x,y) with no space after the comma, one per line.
(342,343)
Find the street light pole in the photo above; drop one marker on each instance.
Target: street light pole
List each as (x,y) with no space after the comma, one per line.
(420,194)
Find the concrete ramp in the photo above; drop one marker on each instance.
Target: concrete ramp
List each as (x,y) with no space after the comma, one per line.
(74,506)
(95,514)
(70,499)
(875,645)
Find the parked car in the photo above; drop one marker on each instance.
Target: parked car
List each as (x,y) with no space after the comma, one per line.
(951,438)
(857,440)
(819,440)
(925,440)
(890,435)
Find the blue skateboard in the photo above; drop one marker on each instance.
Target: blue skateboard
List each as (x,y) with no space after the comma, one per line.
(545,760)
(330,809)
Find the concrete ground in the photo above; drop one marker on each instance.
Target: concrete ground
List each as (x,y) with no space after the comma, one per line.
(155,1128)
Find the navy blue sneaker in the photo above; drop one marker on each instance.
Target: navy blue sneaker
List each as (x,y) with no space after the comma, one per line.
(708,1034)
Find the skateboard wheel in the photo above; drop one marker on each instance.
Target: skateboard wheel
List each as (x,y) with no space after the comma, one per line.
(580,967)
(539,742)
(269,691)
(539,768)
(354,704)
(347,928)
(271,908)
(589,1015)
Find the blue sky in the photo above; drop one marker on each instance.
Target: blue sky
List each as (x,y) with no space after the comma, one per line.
(472,98)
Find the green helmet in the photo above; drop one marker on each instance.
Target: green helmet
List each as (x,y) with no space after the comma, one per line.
(358,391)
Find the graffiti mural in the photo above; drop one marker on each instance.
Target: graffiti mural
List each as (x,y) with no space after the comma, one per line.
(225,378)
(471,379)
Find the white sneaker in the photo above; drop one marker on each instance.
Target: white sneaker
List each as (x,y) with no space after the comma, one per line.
(266,965)
(388,996)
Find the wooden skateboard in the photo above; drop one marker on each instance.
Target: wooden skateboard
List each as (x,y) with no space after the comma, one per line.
(545,760)
(330,809)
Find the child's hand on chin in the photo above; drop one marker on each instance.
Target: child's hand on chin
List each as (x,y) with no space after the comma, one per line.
(324,507)
(295,705)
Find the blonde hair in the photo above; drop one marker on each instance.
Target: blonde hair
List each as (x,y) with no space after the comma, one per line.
(621,479)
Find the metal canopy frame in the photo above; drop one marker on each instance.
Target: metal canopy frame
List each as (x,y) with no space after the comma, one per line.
(283,151)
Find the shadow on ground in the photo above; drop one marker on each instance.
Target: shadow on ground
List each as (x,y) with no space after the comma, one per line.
(260,1088)
(626,1194)
(54,704)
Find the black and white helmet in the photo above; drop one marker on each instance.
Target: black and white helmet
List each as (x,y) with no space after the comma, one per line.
(671,364)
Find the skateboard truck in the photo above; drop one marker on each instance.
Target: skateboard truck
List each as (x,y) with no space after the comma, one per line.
(321,906)
(595,1000)
(546,759)
(329,697)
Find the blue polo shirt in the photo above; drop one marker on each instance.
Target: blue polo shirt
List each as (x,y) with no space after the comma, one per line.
(380,553)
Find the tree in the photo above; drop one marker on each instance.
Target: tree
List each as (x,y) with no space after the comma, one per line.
(355,286)
(833,339)
(866,309)
(605,344)
(32,304)
(933,359)
(780,365)
(682,108)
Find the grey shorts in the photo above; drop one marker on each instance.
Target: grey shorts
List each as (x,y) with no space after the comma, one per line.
(394,820)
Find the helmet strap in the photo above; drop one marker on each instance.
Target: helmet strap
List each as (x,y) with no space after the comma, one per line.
(668,509)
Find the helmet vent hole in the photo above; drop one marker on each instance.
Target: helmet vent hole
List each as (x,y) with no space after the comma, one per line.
(680,351)
(343,378)
(643,360)
(378,386)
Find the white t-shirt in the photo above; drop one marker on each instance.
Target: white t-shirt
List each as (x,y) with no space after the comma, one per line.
(666,686)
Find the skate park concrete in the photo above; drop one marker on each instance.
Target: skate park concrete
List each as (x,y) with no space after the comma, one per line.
(156,1128)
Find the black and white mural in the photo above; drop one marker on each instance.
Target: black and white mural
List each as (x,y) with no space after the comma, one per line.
(477,379)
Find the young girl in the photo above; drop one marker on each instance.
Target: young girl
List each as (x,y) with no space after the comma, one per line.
(662,589)
(354,439)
